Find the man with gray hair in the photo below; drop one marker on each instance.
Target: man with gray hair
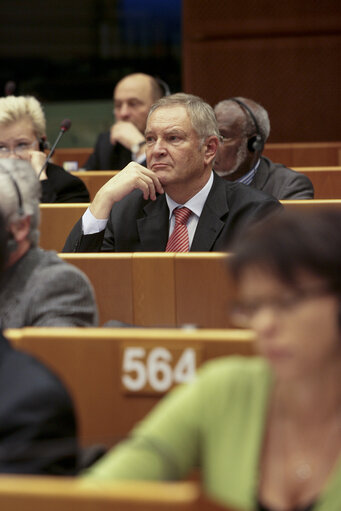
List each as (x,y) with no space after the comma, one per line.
(37,287)
(244,127)
(139,209)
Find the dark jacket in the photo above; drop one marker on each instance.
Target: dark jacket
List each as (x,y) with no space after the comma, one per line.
(282,182)
(61,186)
(37,421)
(107,156)
(138,225)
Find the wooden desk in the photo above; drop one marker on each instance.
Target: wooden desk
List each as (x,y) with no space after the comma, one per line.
(97,366)
(303,205)
(160,289)
(56,221)
(299,154)
(33,493)
(78,154)
(326,181)
(95,179)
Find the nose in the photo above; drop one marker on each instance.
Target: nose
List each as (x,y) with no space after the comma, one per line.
(264,322)
(13,155)
(158,148)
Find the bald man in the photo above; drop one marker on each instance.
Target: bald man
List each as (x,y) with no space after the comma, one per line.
(124,142)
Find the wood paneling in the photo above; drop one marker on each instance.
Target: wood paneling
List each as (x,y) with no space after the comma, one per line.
(284,55)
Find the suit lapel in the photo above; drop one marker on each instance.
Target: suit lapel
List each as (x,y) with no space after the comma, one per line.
(261,175)
(212,219)
(153,228)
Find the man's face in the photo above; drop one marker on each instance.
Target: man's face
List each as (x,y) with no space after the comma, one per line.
(132,100)
(175,153)
(233,158)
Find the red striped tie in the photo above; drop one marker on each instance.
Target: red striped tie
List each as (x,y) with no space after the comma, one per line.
(178,240)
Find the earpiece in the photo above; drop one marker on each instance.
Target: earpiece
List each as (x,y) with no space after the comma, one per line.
(255,144)
(163,86)
(43,144)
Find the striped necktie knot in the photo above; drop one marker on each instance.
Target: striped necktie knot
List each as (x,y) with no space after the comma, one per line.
(179,240)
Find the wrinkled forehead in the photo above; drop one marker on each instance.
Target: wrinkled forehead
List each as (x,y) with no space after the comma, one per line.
(168,117)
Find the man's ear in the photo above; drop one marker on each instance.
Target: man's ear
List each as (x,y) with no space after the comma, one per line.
(210,148)
(21,228)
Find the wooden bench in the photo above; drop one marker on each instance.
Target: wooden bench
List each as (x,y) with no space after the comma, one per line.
(300,154)
(116,376)
(95,179)
(159,289)
(292,154)
(78,154)
(326,181)
(34,493)
(303,205)
(56,221)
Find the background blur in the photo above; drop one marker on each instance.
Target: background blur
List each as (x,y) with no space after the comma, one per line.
(70,54)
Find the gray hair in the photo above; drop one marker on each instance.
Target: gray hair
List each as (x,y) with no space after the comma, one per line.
(20,172)
(258,111)
(200,113)
(16,108)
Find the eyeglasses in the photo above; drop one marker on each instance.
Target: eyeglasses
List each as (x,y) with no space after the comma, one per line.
(19,150)
(242,314)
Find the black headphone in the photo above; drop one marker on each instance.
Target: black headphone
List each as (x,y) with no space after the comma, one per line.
(11,242)
(164,88)
(255,143)
(43,144)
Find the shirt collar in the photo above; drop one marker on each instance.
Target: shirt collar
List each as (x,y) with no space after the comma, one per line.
(195,203)
(247,178)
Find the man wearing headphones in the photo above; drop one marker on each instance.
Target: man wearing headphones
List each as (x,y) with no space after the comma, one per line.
(125,142)
(37,287)
(244,127)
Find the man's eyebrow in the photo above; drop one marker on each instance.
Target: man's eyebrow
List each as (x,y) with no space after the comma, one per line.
(167,131)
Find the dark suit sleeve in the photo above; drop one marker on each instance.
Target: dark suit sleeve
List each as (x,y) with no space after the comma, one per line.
(94,162)
(78,242)
(38,426)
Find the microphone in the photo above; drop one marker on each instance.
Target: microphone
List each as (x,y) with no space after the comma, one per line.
(64,126)
(10,87)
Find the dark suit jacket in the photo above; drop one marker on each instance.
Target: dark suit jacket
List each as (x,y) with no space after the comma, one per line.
(37,422)
(61,186)
(107,156)
(137,225)
(282,182)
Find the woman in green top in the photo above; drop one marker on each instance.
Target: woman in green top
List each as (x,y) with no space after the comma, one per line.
(265,431)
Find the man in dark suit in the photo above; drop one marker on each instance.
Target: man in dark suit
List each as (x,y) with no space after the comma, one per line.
(136,209)
(37,421)
(124,142)
(244,127)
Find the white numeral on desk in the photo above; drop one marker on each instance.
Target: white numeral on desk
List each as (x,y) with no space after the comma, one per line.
(156,368)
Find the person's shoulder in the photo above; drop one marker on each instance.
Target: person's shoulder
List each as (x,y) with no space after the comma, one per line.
(51,266)
(277,168)
(239,193)
(28,375)
(234,368)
